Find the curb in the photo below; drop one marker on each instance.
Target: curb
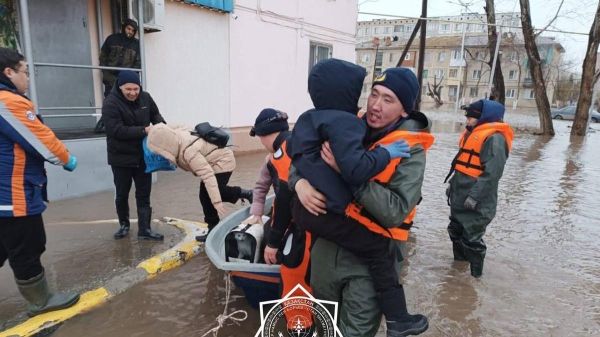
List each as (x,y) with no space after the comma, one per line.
(147,269)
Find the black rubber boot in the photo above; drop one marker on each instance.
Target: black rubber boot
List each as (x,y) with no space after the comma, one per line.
(455,231)
(457,250)
(398,321)
(123,230)
(41,300)
(246,195)
(475,257)
(123,214)
(145,232)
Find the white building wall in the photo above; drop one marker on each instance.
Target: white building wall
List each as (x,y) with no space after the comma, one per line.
(188,65)
(270,43)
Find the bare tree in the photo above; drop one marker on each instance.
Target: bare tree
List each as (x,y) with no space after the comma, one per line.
(435,91)
(535,66)
(580,124)
(493,37)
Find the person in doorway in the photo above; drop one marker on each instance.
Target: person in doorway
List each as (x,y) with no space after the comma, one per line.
(212,164)
(476,170)
(25,144)
(119,50)
(335,87)
(128,113)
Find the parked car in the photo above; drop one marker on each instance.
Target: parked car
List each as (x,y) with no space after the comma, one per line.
(568,112)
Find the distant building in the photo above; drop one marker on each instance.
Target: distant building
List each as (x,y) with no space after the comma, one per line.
(443,64)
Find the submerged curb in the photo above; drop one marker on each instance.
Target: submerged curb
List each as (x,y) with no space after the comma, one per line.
(147,269)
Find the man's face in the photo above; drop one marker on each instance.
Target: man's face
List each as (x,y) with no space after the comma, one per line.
(383,108)
(131,91)
(19,76)
(129,31)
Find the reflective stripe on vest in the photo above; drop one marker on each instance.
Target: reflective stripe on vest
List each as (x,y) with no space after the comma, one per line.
(468,160)
(281,162)
(356,211)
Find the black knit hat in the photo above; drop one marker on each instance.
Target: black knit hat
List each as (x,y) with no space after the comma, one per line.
(404,84)
(474,109)
(269,121)
(127,76)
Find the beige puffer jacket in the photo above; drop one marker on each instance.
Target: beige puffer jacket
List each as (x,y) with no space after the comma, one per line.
(192,154)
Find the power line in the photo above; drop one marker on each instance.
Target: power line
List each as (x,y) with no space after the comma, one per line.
(478,23)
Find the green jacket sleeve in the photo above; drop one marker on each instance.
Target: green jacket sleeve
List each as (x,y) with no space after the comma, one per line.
(494,154)
(391,204)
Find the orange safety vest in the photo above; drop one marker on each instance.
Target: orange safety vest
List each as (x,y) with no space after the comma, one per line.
(356,211)
(468,159)
(281,163)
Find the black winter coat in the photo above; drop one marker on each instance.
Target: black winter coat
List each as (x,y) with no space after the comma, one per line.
(335,88)
(125,123)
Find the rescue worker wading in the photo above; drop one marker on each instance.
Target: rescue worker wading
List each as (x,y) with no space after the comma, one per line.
(473,190)
(25,144)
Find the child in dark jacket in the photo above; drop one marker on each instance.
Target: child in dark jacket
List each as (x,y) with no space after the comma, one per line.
(335,88)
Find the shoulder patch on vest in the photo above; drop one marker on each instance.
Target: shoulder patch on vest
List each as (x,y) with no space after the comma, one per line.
(278,154)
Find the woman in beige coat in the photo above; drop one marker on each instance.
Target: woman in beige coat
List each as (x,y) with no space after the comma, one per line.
(212,164)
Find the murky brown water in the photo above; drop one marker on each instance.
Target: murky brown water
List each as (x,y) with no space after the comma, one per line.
(541,278)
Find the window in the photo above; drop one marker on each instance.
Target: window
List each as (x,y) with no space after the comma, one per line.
(510,93)
(442,56)
(439,73)
(366,58)
(407,57)
(512,75)
(367,31)
(386,30)
(514,56)
(453,73)
(457,27)
(528,75)
(476,74)
(530,94)
(473,92)
(425,73)
(391,57)
(318,52)
(376,30)
(378,63)
(399,28)
(445,27)
(452,90)
(456,54)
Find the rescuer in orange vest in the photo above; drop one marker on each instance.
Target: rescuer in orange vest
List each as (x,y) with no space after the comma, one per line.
(473,191)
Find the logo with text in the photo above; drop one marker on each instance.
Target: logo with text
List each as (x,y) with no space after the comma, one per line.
(298,314)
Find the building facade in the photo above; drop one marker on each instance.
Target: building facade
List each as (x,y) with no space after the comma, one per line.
(458,76)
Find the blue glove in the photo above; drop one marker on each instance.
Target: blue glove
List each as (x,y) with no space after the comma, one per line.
(72,164)
(398,149)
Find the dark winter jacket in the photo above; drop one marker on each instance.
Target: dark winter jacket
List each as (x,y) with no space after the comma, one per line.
(119,51)
(335,88)
(125,124)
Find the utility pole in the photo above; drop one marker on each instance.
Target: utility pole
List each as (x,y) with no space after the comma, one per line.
(423,26)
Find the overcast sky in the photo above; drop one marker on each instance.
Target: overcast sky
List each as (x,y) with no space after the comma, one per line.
(576,16)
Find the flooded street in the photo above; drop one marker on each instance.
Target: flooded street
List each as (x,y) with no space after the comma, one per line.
(541,274)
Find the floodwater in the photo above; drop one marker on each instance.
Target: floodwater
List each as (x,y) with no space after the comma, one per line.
(541,275)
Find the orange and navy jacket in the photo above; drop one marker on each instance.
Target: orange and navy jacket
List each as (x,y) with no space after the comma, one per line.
(279,169)
(25,143)
(468,160)
(358,213)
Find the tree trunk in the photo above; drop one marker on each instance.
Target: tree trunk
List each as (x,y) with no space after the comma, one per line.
(580,124)
(493,37)
(535,66)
